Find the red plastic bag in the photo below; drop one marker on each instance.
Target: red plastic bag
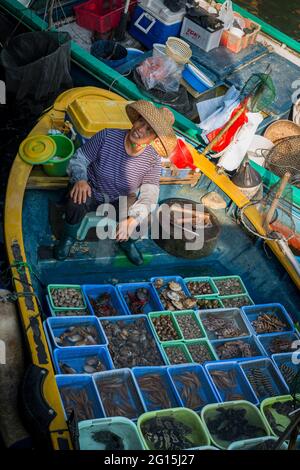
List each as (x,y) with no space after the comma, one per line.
(227,138)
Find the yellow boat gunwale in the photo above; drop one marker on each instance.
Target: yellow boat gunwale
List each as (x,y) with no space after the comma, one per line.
(16,187)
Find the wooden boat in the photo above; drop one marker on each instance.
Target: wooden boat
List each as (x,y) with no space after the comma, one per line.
(27,229)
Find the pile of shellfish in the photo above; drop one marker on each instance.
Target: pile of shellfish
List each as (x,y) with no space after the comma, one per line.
(172,296)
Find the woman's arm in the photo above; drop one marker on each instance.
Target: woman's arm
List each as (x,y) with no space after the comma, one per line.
(146,202)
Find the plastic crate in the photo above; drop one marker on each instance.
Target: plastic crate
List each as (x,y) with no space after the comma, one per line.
(182,349)
(206,391)
(193,354)
(166,280)
(129,405)
(154,315)
(236,301)
(277,420)
(67,312)
(233,314)
(125,429)
(56,326)
(207,303)
(198,331)
(152,306)
(214,290)
(76,358)
(94,291)
(79,383)
(65,286)
(147,327)
(252,314)
(268,383)
(266,341)
(166,385)
(223,292)
(258,350)
(198,437)
(253,416)
(241,386)
(249,444)
(96,15)
(286,367)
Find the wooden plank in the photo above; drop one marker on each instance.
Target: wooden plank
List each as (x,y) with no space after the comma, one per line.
(38,180)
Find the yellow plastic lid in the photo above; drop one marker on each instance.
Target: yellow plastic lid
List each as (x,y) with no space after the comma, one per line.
(37,149)
(90,115)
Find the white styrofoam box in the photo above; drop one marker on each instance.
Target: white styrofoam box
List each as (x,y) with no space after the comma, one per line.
(158,9)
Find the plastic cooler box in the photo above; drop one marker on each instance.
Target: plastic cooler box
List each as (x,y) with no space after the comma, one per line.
(90,115)
(152,22)
(203,38)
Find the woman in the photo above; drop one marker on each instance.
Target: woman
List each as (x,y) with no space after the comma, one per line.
(116,163)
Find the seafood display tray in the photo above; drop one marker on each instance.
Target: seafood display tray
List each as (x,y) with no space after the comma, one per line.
(267,382)
(229,314)
(253,312)
(240,384)
(76,287)
(209,280)
(151,306)
(238,280)
(266,341)
(231,301)
(58,325)
(292,369)
(206,391)
(96,290)
(175,327)
(75,357)
(166,386)
(251,340)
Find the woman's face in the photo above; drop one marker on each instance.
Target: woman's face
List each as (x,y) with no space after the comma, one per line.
(141,132)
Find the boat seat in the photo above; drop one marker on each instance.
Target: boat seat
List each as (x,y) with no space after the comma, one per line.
(91,220)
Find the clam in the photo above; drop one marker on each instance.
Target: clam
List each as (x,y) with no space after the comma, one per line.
(158,283)
(75,338)
(175,286)
(89,369)
(190,302)
(174,296)
(178,305)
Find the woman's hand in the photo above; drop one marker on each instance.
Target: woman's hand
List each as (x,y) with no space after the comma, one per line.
(125,229)
(80,192)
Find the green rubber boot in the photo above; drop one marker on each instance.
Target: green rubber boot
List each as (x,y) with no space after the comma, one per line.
(62,250)
(132,252)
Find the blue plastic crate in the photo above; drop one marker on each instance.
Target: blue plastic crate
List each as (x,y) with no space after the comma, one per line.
(287,368)
(80,383)
(241,389)
(76,358)
(126,319)
(166,280)
(268,382)
(58,325)
(170,399)
(152,306)
(233,314)
(205,391)
(119,393)
(95,290)
(267,342)
(258,350)
(253,312)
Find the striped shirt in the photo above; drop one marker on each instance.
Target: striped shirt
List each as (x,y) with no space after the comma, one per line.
(111,172)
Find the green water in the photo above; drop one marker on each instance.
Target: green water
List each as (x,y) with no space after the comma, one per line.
(283,14)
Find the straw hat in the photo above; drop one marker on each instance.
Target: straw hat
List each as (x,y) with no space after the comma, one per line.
(160,119)
(281,129)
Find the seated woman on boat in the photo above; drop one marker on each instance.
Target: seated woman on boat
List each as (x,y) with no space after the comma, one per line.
(114,163)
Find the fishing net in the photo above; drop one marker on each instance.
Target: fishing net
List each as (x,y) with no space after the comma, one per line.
(261,92)
(37,68)
(285,156)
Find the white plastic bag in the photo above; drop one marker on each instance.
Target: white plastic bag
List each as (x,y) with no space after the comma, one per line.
(226,14)
(160,72)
